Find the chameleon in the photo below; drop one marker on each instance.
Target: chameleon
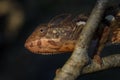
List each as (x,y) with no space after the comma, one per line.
(58,36)
(61,33)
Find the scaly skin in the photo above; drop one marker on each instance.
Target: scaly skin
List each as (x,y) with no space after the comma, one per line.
(60,35)
(115,29)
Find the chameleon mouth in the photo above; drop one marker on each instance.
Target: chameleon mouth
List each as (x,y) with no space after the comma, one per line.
(49,46)
(46,51)
(43,51)
(43,46)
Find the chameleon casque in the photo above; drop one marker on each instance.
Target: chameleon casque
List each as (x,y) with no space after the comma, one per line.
(61,33)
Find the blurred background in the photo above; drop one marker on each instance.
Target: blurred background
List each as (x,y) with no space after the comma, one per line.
(18,19)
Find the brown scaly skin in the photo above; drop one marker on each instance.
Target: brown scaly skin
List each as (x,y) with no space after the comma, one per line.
(60,35)
(115,29)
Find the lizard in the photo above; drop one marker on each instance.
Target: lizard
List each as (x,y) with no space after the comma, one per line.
(58,36)
(61,33)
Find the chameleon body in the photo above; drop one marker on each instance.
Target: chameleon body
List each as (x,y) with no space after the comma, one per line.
(61,33)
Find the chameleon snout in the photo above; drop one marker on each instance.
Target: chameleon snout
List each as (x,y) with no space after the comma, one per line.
(43,46)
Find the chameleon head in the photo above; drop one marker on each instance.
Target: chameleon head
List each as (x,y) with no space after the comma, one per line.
(57,36)
(37,42)
(42,41)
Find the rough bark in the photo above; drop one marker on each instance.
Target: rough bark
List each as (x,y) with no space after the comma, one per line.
(79,58)
(107,62)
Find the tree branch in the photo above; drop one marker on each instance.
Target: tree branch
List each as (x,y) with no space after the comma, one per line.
(108,62)
(73,67)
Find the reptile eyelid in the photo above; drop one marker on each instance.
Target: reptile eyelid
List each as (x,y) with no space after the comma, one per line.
(41,30)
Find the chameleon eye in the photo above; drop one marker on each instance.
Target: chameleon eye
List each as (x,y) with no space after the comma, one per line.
(41,30)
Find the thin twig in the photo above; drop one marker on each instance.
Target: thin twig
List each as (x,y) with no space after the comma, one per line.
(107,62)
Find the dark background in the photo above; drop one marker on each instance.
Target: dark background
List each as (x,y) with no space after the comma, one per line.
(17,63)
